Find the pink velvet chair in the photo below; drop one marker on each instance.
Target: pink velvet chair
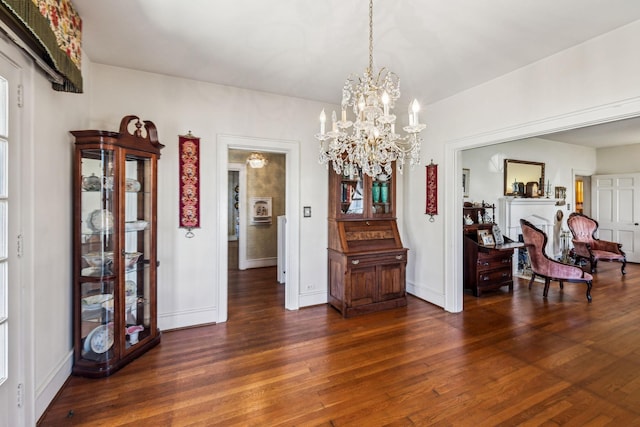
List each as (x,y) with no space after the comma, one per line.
(543,266)
(587,246)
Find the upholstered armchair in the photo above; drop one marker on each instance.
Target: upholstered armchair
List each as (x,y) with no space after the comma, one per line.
(543,266)
(587,246)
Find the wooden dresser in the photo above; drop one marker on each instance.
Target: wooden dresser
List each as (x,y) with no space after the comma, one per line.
(486,267)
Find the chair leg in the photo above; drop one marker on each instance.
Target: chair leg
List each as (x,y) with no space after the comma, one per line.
(589,291)
(593,264)
(561,284)
(533,277)
(624,264)
(547,281)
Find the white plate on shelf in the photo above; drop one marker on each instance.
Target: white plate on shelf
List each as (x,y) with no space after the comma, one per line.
(100,339)
(100,220)
(130,287)
(95,301)
(132,185)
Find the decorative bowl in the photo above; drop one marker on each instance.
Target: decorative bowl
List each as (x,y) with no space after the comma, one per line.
(98,259)
(132,185)
(130,259)
(91,183)
(135,225)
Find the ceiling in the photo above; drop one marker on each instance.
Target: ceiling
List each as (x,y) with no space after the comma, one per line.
(307,48)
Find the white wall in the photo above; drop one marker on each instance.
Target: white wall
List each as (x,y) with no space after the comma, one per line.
(622,159)
(486,169)
(187,277)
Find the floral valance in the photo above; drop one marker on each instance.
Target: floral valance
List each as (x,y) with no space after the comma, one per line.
(52,30)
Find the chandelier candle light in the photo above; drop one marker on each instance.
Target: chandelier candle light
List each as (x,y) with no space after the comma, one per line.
(373,144)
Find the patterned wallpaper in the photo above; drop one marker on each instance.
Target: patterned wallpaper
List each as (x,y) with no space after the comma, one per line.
(268,181)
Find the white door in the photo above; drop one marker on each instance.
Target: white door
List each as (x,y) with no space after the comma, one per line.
(11,365)
(616,207)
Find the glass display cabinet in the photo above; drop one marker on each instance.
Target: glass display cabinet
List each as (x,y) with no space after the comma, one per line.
(355,195)
(115,264)
(366,259)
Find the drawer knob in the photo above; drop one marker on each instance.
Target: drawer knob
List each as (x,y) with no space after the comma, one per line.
(355,262)
(398,256)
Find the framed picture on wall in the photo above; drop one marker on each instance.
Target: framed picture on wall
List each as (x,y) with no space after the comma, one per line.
(466,173)
(260,210)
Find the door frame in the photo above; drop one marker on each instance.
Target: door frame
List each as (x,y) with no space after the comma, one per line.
(22,347)
(453,197)
(291,150)
(242,235)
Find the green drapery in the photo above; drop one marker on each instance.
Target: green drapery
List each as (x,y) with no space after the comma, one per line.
(28,23)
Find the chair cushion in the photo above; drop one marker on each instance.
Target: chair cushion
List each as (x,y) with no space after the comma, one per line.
(607,255)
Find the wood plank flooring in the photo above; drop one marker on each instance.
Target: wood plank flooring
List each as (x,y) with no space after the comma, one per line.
(508,359)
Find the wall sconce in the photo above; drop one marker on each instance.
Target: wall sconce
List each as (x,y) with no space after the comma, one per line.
(257,160)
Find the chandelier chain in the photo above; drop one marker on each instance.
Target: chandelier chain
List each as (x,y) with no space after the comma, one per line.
(371,37)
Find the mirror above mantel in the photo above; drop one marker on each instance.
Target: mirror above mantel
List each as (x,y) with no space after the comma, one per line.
(523,178)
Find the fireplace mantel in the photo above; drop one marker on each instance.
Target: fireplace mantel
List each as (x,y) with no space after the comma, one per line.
(539,211)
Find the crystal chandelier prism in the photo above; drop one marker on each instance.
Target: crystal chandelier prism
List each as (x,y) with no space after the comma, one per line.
(370,142)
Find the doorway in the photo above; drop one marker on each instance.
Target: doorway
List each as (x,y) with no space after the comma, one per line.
(582,188)
(291,152)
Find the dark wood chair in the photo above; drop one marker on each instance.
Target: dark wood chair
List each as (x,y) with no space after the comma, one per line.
(543,266)
(587,246)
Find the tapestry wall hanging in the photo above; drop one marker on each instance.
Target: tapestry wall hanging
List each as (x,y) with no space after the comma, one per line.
(189,150)
(432,191)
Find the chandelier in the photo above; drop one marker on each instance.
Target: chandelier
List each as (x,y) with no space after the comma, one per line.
(372,144)
(257,160)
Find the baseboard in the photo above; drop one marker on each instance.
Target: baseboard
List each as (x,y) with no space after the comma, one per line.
(261,262)
(48,390)
(314,298)
(425,294)
(182,319)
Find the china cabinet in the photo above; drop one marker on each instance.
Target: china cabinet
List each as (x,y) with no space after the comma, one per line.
(115,263)
(366,259)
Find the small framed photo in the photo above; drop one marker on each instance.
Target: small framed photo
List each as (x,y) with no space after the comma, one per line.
(497,234)
(485,238)
(466,174)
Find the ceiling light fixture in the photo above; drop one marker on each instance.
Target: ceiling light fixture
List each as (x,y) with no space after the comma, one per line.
(257,160)
(373,144)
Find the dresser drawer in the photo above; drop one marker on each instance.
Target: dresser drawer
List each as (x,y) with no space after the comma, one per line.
(494,277)
(493,262)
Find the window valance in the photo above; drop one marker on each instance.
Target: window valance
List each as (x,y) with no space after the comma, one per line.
(52,31)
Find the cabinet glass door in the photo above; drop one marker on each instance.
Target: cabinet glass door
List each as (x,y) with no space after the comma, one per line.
(351,192)
(137,248)
(97,289)
(381,195)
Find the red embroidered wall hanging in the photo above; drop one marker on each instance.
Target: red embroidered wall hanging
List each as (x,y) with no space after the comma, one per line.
(189,150)
(432,191)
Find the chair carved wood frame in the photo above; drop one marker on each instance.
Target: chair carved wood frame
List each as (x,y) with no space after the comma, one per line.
(587,246)
(547,268)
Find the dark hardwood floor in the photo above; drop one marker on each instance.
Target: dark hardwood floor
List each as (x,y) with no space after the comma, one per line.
(508,359)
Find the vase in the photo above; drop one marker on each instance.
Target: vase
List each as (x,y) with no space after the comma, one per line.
(375,191)
(384,192)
